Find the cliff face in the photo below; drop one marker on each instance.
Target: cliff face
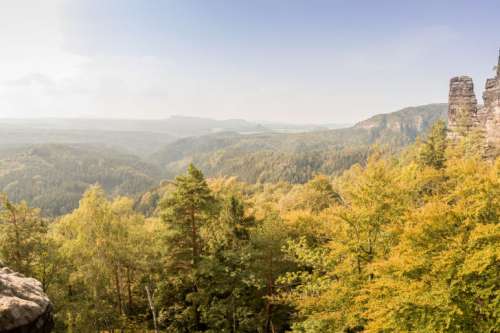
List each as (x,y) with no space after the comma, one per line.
(24,307)
(464,114)
(491,117)
(410,120)
(462,106)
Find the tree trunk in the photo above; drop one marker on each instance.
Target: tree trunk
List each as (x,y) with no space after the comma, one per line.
(152,307)
(194,237)
(194,240)
(118,291)
(270,286)
(18,242)
(129,290)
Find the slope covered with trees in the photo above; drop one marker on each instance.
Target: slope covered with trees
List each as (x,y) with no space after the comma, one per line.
(54,177)
(138,143)
(296,157)
(136,136)
(406,244)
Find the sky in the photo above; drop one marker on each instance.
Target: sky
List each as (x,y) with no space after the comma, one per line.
(297,61)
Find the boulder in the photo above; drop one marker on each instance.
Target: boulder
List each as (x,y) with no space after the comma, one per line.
(24,307)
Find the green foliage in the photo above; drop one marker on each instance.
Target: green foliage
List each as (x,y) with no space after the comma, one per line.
(296,157)
(217,281)
(406,244)
(107,249)
(54,177)
(187,212)
(402,260)
(24,245)
(433,148)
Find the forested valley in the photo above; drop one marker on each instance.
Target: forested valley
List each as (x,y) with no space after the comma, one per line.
(51,163)
(403,241)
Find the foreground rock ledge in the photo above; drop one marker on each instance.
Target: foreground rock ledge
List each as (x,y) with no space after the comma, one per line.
(24,307)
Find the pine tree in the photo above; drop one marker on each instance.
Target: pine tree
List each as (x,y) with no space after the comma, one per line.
(230,304)
(433,148)
(188,212)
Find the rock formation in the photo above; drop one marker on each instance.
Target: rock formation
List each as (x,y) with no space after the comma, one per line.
(464,114)
(24,307)
(462,106)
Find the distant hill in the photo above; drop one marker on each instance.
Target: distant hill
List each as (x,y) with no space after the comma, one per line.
(295,157)
(141,137)
(410,121)
(134,142)
(54,177)
(175,125)
(299,128)
(138,136)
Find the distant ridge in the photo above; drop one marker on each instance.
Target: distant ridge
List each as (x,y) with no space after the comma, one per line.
(54,176)
(295,157)
(413,118)
(179,126)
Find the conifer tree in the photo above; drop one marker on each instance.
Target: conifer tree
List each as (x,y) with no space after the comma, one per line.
(187,212)
(433,148)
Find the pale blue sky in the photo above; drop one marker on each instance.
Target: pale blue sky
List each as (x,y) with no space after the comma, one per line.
(309,61)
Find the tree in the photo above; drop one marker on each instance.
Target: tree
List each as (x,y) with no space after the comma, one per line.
(230,302)
(102,243)
(433,148)
(443,274)
(268,264)
(187,212)
(24,245)
(328,287)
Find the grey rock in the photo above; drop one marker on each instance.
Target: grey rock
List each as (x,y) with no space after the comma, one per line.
(464,114)
(24,307)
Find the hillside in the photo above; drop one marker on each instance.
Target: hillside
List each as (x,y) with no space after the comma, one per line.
(134,142)
(53,177)
(295,157)
(179,126)
(410,121)
(136,136)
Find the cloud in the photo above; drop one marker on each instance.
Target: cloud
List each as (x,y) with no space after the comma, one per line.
(327,81)
(31,40)
(31,80)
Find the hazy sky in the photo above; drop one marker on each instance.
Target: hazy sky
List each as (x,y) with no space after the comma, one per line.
(284,60)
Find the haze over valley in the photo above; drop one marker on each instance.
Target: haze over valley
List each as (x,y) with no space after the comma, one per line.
(51,162)
(305,166)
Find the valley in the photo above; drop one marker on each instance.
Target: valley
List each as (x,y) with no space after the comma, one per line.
(50,163)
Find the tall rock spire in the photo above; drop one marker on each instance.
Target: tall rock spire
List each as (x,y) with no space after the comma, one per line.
(464,113)
(491,98)
(462,105)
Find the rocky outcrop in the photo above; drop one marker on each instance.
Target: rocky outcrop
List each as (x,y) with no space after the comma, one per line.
(24,307)
(491,112)
(411,120)
(462,106)
(464,114)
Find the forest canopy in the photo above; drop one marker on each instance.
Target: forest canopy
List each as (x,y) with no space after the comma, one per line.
(51,170)
(402,243)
